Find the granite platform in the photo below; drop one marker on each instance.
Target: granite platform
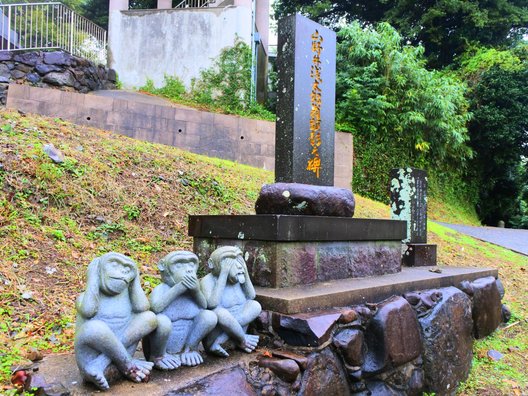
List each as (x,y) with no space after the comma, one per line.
(346,292)
(285,251)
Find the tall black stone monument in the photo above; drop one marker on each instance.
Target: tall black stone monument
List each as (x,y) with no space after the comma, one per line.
(304,148)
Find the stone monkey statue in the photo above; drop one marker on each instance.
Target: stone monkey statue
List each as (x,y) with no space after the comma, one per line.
(112,317)
(183,319)
(230,294)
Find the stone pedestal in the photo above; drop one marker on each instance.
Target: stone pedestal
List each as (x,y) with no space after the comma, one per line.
(419,255)
(284,251)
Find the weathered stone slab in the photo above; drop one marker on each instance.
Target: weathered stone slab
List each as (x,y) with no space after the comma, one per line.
(284,251)
(227,382)
(304,147)
(286,264)
(447,339)
(350,344)
(295,228)
(347,292)
(487,307)
(62,370)
(324,376)
(306,329)
(304,199)
(392,337)
(408,195)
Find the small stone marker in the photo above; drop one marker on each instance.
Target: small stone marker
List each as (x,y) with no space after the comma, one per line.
(408,195)
(304,147)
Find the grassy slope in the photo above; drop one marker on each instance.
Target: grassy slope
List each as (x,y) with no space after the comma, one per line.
(115,193)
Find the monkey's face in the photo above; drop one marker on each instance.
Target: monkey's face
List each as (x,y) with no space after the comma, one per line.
(237,271)
(116,274)
(179,268)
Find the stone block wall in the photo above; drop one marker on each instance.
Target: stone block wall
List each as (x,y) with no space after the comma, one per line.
(57,69)
(247,141)
(406,345)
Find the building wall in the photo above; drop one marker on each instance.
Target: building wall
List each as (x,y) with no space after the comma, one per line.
(247,141)
(178,42)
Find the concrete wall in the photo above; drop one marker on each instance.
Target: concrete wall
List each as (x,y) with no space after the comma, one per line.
(178,42)
(244,140)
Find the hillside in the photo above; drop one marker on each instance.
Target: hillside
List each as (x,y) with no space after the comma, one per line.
(115,193)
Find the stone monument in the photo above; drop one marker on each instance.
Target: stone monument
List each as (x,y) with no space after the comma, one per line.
(112,317)
(322,277)
(304,148)
(304,232)
(408,195)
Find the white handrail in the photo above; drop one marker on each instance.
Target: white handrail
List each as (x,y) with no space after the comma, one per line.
(193,4)
(29,26)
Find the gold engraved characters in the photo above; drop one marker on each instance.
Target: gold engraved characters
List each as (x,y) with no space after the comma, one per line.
(314,163)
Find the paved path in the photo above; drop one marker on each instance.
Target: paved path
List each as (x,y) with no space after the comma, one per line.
(137,97)
(516,240)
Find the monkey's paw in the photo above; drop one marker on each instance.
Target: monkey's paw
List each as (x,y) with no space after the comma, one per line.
(250,343)
(217,349)
(139,370)
(98,379)
(167,362)
(191,358)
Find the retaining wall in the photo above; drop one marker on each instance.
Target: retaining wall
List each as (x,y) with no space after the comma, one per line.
(247,141)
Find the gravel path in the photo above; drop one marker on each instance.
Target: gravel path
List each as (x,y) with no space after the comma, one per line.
(516,240)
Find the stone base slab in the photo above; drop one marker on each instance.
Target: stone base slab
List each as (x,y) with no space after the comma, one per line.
(345,292)
(285,251)
(419,255)
(286,264)
(296,228)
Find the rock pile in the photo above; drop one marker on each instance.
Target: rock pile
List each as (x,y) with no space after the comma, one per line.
(57,69)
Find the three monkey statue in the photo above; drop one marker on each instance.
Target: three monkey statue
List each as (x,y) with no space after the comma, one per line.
(114,314)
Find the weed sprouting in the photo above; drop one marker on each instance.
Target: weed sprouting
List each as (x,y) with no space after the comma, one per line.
(132,212)
(49,171)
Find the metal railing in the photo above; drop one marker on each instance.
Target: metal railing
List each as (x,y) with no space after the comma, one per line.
(193,4)
(34,26)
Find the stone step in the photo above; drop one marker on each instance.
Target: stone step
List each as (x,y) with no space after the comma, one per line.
(344,292)
(62,370)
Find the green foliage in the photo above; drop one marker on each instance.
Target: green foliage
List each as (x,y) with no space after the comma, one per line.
(228,82)
(400,113)
(499,135)
(58,235)
(446,28)
(225,86)
(172,89)
(481,59)
(132,212)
